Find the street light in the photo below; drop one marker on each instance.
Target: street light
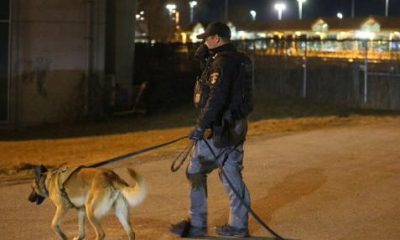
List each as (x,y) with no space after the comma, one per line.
(192,4)
(387,8)
(339,15)
(253,15)
(301,8)
(280,7)
(171,8)
(140,16)
(173,13)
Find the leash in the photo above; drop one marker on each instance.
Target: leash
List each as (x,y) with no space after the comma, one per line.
(181,158)
(251,211)
(128,155)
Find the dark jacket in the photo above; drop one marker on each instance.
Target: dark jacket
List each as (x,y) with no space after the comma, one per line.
(222,72)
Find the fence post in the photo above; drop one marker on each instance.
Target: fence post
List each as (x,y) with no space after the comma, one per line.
(366,73)
(253,66)
(304,66)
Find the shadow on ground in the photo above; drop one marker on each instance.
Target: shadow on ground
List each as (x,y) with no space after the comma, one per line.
(183,116)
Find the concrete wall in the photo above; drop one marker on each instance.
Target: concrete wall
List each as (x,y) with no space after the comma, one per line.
(49,60)
(58,58)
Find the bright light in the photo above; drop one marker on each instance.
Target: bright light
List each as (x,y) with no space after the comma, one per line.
(301,8)
(192,4)
(365,35)
(241,34)
(253,14)
(280,7)
(339,15)
(297,33)
(171,8)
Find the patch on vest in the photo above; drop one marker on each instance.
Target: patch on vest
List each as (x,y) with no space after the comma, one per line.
(214,78)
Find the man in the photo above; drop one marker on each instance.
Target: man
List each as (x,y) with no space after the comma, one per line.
(217,97)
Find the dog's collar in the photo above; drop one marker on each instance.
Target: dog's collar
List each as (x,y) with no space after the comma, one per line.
(43,186)
(45,190)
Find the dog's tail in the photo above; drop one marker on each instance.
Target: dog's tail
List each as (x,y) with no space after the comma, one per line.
(135,194)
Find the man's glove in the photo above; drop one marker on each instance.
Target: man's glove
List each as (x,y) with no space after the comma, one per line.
(201,52)
(196,134)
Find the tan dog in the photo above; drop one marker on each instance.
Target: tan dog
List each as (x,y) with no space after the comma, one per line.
(93,192)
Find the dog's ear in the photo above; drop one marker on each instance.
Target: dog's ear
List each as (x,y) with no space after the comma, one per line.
(39,170)
(43,169)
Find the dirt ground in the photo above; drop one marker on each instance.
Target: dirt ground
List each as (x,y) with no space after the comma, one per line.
(338,182)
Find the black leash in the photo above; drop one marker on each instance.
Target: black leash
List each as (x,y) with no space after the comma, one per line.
(254,214)
(181,158)
(128,155)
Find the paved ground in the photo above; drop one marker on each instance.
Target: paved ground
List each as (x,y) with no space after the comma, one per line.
(338,183)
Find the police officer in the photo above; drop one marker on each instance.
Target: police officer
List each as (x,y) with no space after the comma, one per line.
(215,95)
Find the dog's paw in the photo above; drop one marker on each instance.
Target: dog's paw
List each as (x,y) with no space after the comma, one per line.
(78,238)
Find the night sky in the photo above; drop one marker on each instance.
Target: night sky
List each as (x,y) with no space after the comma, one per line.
(209,10)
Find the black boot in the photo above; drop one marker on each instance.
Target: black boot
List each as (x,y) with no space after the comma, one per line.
(184,229)
(229,231)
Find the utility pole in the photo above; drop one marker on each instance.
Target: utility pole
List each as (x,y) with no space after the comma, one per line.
(300,2)
(352,8)
(387,8)
(226,10)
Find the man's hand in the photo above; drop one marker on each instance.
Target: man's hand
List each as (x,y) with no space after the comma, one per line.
(196,134)
(201,52)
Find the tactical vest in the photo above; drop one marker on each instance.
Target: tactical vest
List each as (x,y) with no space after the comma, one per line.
(241,99)
(241,104)
(202,88)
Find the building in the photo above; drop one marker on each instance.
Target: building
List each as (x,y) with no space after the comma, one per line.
(323,37)
(373,27)
(60,60)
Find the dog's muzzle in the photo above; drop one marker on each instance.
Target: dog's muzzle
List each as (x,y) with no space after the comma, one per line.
(34,197)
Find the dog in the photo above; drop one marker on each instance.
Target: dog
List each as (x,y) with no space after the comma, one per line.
(92,191)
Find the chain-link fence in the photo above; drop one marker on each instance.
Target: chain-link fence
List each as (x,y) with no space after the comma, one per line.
(353,73)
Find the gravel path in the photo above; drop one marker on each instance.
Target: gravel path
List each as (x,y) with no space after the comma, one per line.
(337,183)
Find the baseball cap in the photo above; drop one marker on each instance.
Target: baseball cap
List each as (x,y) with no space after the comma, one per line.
(219,28)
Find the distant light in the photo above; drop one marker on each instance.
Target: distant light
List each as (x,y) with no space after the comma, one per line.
(253,14)
(192,4)
(339,15)
(279,7)
(241,34)
(170,7)
(365,35)
(137,16)
(141,12)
